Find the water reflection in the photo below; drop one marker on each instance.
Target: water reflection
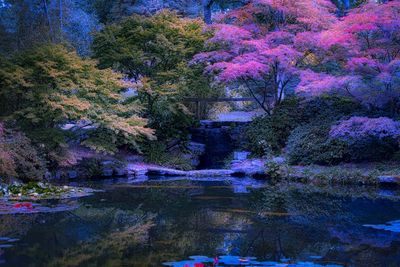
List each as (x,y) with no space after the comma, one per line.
(156,222)
(228,260)
(393,226)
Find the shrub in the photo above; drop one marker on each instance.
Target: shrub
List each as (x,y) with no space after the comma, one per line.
(368,138)
(157,152)
(354,139)
(330,107)
(269,134)
(91,168)
(18,158)
(273,170)
(311,143)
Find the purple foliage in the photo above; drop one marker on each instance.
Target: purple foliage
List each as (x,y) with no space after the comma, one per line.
(364,127)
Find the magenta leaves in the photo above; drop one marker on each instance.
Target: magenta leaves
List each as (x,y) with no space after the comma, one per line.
(302,46)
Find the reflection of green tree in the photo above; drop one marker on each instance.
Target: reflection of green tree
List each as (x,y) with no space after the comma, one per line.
(128,230)
(16,226)
(185,224)
(107,234)
(123,236)
(160,198)
(182,223)
(293,220)
(306,202)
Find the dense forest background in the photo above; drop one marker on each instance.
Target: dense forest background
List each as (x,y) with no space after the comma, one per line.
(23,23)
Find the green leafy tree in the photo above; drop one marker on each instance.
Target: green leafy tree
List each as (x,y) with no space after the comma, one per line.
(48,86)
(149,46)
(154,51)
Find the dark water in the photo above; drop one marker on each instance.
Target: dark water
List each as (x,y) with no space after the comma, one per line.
(240,222)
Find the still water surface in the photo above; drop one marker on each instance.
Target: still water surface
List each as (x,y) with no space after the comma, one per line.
(232,222)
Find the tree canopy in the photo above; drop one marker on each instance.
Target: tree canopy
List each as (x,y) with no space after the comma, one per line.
(46,87)
(153,52)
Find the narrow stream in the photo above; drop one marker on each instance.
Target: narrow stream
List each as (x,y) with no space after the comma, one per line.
(226,221)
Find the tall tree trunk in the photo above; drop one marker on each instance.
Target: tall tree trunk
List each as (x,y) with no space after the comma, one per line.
(46,12)
(346,4)
(207,10)
(61,16)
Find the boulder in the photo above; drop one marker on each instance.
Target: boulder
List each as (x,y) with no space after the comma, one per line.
(72,174)
(165,171)
(278,160)
(240,155)
(249,167)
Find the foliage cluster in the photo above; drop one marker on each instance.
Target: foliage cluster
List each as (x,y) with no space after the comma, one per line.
(154,53)
(368,138)
(324,130)
(18,157)
(353,140)
(158,153)
(257,46)
(268,134)
(310,144)
(48,86)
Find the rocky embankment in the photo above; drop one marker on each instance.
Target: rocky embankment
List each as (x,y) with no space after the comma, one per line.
(241,166)
(125,165)
(248,168)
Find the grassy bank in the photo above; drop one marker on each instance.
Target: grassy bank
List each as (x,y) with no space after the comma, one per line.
(366,174)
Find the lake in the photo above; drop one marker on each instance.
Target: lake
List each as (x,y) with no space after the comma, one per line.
(208,222)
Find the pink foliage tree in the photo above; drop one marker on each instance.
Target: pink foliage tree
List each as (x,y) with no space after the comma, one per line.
(258,48)
(271,46)
(365,45)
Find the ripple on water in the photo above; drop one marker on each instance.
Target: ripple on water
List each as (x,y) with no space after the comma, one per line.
(392,226)
(7,242)
(228,260)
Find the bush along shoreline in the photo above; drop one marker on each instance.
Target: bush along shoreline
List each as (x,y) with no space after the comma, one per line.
(330,139)
(373,174)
